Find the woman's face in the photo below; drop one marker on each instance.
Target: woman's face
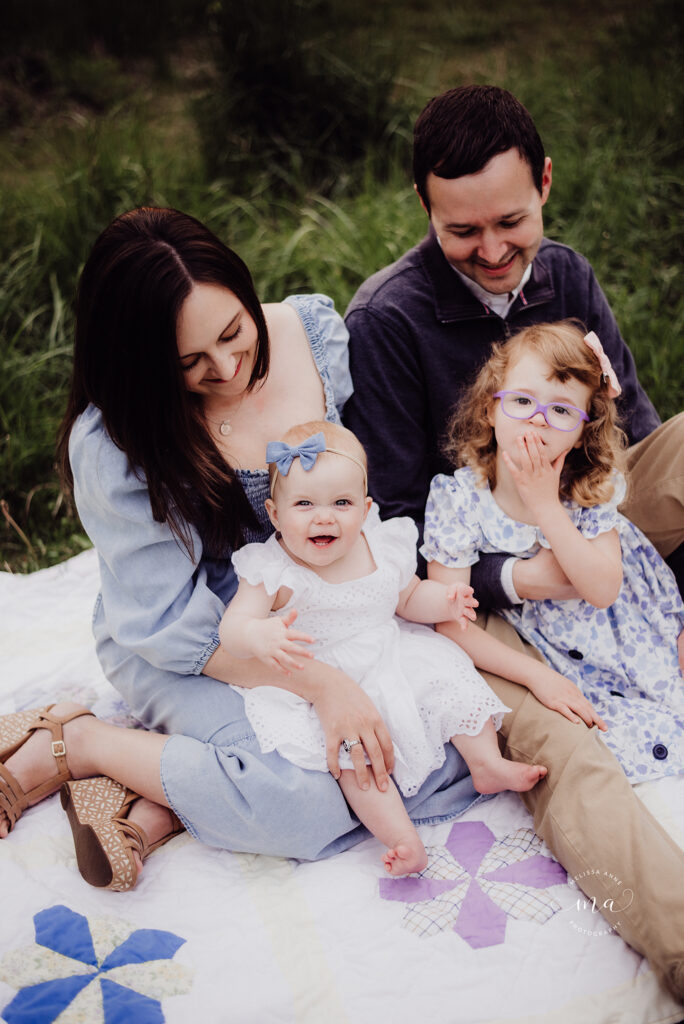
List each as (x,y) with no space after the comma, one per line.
(217,342)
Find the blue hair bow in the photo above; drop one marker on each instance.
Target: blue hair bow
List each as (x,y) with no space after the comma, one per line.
(307,452)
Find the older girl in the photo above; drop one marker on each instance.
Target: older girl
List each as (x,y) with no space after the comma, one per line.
(542,452)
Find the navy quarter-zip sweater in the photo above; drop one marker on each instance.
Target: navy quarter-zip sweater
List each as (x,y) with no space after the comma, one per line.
(418,336)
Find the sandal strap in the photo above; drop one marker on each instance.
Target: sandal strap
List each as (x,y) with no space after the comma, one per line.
(54,724)
(13,799)
(138,837)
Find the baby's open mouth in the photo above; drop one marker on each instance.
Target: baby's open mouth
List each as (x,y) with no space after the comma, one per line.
(323,540)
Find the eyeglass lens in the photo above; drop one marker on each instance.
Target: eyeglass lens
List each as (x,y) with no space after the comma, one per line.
(520,407)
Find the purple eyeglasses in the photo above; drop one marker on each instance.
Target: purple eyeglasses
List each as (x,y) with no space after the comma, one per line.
(519,406)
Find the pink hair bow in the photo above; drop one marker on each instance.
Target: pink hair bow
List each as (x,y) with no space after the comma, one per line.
(607,370)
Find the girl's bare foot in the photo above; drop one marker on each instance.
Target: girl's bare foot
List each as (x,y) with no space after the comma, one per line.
(406,857)
(499,774)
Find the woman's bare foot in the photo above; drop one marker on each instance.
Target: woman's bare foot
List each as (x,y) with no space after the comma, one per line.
(33,763)
(499,774)
(406,856)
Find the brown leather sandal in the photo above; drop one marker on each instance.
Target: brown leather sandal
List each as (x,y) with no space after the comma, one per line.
(104,838)
(15,730)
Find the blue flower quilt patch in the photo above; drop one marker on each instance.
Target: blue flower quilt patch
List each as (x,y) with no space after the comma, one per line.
(104,971)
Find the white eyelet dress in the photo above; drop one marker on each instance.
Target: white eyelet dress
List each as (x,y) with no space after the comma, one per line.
(424,685)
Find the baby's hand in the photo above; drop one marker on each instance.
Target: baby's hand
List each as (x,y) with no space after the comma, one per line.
(273,642)
(461,603)
(559,694)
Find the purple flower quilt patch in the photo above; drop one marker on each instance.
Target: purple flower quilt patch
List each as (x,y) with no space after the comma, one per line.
(475,882)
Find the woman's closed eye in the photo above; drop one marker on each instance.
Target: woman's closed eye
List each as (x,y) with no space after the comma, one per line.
(231,337)
(224,339)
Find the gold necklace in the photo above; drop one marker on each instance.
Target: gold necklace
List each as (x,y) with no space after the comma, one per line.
(225,427)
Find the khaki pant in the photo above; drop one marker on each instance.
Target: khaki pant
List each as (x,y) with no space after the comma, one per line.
(655,493)
(585,809)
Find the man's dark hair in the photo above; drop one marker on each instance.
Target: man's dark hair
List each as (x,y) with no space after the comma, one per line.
(460,131)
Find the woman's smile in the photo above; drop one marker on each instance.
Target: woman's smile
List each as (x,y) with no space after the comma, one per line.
(217,341)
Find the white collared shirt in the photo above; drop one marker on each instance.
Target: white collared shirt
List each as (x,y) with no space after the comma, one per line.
(499,304)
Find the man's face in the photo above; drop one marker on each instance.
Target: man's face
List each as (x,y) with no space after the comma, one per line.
(490,224)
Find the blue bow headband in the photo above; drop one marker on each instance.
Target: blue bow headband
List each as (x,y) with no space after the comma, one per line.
(282,455)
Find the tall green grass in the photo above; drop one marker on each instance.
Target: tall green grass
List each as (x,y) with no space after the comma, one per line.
(604,85)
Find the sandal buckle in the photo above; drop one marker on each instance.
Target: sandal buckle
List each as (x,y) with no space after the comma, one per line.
(58,748)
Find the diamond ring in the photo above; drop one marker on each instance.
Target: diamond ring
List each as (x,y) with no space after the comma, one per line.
(348,744)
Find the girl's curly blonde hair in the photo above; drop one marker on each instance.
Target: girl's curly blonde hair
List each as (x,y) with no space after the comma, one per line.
(587,472)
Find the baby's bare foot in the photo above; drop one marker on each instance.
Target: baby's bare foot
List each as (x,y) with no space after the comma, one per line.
(406,857)
(33,763)
(501,774)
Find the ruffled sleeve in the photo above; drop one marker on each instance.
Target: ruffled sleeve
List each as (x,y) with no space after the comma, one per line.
(329,340)
(393,541)
(453,536)
(591,522)
(269,565)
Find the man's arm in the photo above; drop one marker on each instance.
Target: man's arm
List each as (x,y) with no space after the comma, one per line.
(388,413)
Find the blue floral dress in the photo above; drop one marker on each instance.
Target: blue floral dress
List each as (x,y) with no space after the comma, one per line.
(624,658)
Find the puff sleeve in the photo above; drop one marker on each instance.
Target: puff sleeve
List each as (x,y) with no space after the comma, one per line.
(452,536)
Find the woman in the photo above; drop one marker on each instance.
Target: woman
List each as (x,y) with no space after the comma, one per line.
(180,378)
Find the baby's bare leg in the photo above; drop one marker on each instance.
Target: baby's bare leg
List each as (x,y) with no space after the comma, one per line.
(385,816)
(490,772)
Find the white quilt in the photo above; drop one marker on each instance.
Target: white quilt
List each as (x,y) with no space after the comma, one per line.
(492,931)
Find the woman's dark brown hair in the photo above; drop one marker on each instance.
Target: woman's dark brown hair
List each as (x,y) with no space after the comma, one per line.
(133,285)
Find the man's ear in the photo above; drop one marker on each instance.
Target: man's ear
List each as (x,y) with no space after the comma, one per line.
(546,179)
(422,201)
(272,512)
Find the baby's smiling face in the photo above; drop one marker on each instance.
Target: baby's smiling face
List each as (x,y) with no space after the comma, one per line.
(320,512)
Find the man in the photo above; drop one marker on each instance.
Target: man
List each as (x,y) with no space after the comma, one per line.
(419,330)
(422,327)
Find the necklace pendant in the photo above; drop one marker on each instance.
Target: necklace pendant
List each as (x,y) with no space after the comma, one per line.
(225,429)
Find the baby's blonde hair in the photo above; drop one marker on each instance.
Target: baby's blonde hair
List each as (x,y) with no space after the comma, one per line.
(336,436)
(587,471)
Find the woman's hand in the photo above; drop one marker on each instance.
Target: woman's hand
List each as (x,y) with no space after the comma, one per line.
(347,713)
(461,603)
(559,694)
(274,643)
